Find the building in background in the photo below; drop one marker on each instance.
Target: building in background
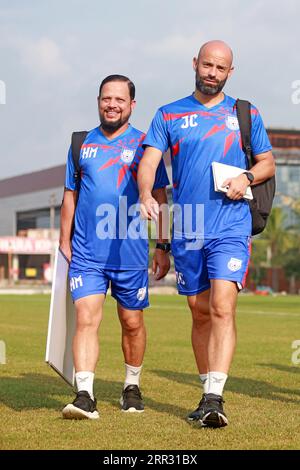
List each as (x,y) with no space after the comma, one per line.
(29,228)
(286,150)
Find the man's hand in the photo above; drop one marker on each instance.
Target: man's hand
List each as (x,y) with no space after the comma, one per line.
(236,187)
(149,207)
(160,264)
(65,247)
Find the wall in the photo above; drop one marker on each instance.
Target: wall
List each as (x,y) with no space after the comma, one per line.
(22,202)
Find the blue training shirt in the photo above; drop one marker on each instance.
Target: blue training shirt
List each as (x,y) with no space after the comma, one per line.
(198,136)
(108,229)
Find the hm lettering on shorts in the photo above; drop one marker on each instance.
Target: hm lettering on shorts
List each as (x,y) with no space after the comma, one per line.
(76,282)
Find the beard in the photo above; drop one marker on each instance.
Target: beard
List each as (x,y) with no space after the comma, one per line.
(209,89)
(112,126)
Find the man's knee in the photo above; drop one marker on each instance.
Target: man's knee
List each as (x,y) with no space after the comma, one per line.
(132,324)
(87,323)
(200,319)
(87,319)
(199,309)
(89,312)
(223,311)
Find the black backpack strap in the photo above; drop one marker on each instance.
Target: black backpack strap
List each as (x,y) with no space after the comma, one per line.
(77,140)
(243,111)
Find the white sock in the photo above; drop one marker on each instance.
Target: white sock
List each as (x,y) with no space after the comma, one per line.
(85,381)
(216,382)
(132,375)
(204,382)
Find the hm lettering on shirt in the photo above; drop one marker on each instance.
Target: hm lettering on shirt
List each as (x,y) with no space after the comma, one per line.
(89,152)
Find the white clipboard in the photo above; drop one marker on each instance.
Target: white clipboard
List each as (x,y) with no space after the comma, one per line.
(62,322)
(221,172)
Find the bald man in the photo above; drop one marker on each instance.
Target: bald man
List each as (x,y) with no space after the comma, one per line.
(211,230)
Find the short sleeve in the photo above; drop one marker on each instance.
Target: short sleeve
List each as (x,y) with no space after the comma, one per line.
(70,182)
(157,135)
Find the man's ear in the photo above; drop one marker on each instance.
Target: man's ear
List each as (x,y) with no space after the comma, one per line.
(195,63)
(230,72)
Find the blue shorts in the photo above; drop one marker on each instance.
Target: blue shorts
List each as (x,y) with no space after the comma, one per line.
(128,287)
(196,262)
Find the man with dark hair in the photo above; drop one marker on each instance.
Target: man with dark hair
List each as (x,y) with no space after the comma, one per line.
(109,245)
(119,78)
(211,239)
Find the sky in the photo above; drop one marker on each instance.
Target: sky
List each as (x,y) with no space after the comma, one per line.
(55,53)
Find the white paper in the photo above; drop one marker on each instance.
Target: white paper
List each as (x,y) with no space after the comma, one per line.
(222,172)
(62,321)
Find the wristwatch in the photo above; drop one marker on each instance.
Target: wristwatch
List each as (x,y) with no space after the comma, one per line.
(249,175)
(164,247)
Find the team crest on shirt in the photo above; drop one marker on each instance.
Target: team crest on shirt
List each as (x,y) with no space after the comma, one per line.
(234,264)
(232,122)
(127,155)
(141,294)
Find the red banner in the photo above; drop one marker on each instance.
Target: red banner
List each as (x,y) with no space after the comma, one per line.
(26,246)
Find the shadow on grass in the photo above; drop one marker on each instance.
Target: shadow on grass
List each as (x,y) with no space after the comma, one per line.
(245,386)
(282,368)
(37,391)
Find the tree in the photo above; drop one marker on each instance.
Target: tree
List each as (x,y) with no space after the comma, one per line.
(278,240)
(291,261)
(291,266)
(258,260)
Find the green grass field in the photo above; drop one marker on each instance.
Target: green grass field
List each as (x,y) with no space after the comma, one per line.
(262,393)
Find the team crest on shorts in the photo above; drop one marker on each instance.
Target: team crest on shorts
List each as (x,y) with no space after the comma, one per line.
(127,155)
(141,294)
(232,122)
(234,264)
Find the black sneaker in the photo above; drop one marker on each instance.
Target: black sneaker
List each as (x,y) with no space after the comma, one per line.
(83,407)
(131,400)
(214,416)
(198,413)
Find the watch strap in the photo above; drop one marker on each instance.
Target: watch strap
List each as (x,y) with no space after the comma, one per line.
(163,246)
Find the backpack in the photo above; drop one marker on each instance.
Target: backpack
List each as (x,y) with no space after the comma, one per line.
(263,193)
(77,140)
